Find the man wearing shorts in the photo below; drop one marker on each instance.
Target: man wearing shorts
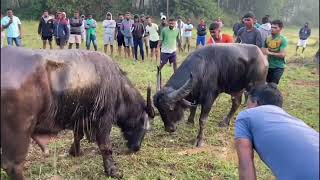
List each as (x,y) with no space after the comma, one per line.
(201,33)
(187,33)
(75,30)
(304,34)
(119,35)
(152,29)
(45,29)
(109,26)
(168,44)
(126,30)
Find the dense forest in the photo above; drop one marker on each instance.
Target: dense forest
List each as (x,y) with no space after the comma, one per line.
(293,12)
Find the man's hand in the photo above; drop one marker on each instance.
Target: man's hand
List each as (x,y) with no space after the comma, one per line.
(265,51)
(245,156)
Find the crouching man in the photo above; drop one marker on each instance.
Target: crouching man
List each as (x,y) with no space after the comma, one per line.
(288,146)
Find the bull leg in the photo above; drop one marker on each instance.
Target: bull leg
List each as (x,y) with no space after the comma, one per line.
(192,114)
(205,109)
(75,147)
(105,147)
(236,102)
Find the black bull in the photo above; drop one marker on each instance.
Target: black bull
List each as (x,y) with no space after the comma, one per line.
(44,92)
(204,74)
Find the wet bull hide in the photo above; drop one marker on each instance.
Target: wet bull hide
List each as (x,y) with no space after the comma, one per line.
(44,92)
(204,74)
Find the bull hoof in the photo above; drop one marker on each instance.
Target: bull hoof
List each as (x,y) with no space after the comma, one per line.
(199,143)
(114,172)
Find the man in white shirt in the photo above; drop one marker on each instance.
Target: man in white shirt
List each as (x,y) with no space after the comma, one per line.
(109,26)
(12,24)
(180,25)
(187,33)
(152,29)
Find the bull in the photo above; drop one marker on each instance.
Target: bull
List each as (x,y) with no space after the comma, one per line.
(204,74)
(44,92)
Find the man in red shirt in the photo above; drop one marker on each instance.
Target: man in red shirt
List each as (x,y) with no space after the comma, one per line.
(216,36)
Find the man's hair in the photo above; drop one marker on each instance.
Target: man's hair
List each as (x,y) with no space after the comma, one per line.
(148,17)
(128,13)
(77,11)
(214,26)
(171,19)
(267,94)
(45,10)
(120,14)
(9,9)
(249,15)
(265,20)
(278,22)
(136,16)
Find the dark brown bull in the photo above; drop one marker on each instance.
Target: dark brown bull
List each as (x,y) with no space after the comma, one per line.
(44,92)
(207,72)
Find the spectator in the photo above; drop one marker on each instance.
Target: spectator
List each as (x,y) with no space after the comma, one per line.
(216,36)
(126,30)
(304,34)
(288,146)
(168,44)
(236,27)
(180,25)
(152,30)
(109,26)
(2,32)
(265,29)
(219,21)
(163,23)
(201,33)
(75,30)
(45,29)
(137,33)
(187,34)
(83,30)
(249,34)
(61,31)
(256,24)
(146,35)
(276,51)
(316,58)
(119,35)
(90,27)
(12,25)
(64,16)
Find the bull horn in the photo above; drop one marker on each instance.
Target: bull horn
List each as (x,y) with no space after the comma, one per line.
(150,109)
(158,78)
(182,91)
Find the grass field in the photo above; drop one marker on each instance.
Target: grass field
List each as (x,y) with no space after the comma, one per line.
(172,156)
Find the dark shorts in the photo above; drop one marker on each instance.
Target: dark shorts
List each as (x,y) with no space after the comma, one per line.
(61,41)
(165,57)
(44,38)
(274,75)
(120,40)
(153,44)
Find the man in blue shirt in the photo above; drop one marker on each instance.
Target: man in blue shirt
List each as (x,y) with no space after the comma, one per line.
(288,146)
(12,25)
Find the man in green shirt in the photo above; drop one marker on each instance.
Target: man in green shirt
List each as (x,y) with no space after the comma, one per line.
(276,51)
(168,44)
(90,26)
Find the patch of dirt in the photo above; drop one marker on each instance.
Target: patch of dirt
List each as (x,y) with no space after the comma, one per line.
(306,83)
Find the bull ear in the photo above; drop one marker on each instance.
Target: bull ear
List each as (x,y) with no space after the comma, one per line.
(53,65)
(149,109)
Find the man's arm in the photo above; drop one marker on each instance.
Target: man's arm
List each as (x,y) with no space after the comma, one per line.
(19,26)
(245,157)
(4,26)
(282,53)
(259,39)
(39,27)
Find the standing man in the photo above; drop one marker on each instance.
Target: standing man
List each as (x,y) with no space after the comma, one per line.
(163,23)
(137,34)
(219,21)
(146,35)
(201,33)
(61,31)
(75,30)
(276,51)
(187,34)
(45,29)
(90,27)
(265,29)
(304,34)
(180,25)
(83,30)
(126,30)
(109,26)
(120,37)
(152,29)
(12,25)
(236,27)
(216,36)
(288,146)
(2,32)
(168,45)
(249,34)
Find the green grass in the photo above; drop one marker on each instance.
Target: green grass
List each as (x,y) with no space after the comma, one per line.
(164,156)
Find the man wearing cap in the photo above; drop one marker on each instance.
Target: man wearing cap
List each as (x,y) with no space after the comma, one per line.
(163,23)
(249,34)
(216,36)
(109,26)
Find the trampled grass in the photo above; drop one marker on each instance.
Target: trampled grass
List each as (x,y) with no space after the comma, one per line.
(172,156)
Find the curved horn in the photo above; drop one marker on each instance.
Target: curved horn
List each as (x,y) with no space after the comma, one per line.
(182,91)
(158,78)
(150,109)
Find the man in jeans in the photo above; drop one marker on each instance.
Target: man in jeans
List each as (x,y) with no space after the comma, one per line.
(61,30)
(126,30)
(45,29)
(168,44)
(288,146)
(90,26)
(201,33)
(75,30)
(137,33)
(146,35)
(12,25)
(276,51)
